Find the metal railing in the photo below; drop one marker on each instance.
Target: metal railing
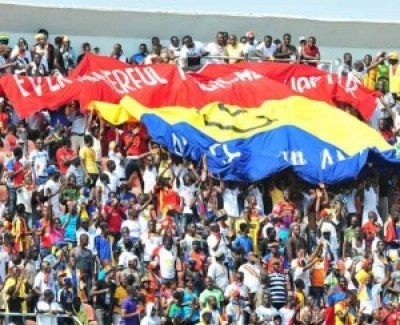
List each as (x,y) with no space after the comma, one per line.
(30,315)
(329,63)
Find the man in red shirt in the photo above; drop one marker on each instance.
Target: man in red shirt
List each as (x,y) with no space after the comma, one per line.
(15,176)
(65,155)
(114,214)
(135,146)
(311,51)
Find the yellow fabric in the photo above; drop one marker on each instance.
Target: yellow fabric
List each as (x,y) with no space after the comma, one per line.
(315,117)
(276,195)
(340,307)
(88,156)
(394,80)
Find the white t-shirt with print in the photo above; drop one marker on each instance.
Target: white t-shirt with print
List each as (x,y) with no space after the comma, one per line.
(167,259)
(39,161)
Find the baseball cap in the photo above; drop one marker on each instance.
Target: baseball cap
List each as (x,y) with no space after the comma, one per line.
(393,56)
(302,39)
(250,34)
(52,170)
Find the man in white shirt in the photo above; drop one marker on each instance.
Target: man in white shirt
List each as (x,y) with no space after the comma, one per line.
(191,53)
(251,46)
(52,189)
(167,261)
(114,181)
(266,312)
(216,49)
(78,127)
(39,159)
(44,280)
(216,242)
(251,273)
(175,47)
(150,240)
(266,49)
(47,309)
(127,255)
(218,272)
(89,231)
(230,197)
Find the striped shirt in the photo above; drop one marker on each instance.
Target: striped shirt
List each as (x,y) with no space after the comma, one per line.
(277,288)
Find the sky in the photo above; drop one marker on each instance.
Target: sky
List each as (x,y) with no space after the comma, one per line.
(331,9)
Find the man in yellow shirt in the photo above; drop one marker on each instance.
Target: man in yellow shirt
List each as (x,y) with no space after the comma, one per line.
(88,157)
(234,50)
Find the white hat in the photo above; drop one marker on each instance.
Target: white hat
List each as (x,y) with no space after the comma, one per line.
(302,38)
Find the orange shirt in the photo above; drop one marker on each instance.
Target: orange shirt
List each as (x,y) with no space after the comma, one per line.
(318,274)
(199,258)
(370,228)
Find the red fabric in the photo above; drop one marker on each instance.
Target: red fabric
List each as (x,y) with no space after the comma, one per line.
(330,315)
(243,84)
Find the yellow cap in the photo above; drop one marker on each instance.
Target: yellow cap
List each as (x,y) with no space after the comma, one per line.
(393,56)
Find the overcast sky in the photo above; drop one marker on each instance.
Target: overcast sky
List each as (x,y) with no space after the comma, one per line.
(330,9)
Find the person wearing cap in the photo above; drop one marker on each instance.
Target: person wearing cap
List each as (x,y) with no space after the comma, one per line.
(44,49)
(394,74)
(250,47)
(68,53)
(218,271)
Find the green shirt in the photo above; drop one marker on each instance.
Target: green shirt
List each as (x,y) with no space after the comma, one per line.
(349,234)
(208,293)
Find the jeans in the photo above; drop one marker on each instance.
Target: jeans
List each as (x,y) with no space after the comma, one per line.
(102,317)
(318,295)
(186,218)
(312,242)
(116,318)
(12,199)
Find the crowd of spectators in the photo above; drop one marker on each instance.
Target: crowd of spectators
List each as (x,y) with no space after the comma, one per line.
(101,223)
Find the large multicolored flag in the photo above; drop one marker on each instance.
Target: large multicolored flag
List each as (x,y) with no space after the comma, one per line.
(318,141)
